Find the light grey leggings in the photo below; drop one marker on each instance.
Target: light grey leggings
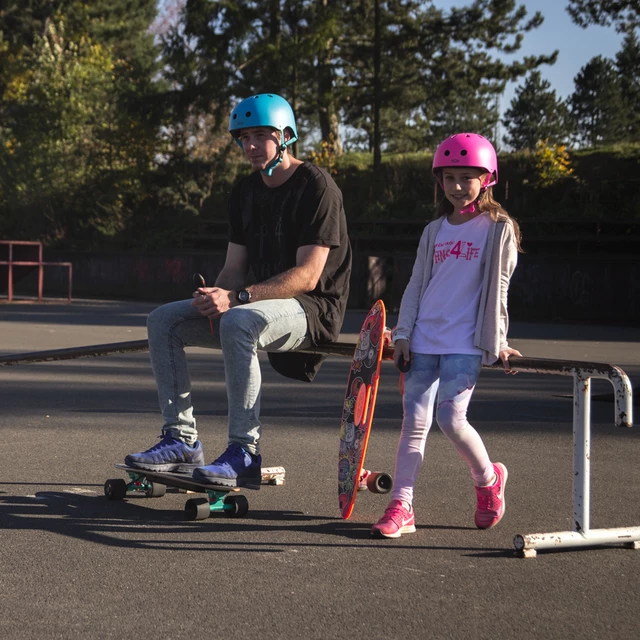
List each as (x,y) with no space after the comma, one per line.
(452,379)
(269,325)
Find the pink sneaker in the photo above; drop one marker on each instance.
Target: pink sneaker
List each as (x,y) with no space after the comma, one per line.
(491,500)
(395,521)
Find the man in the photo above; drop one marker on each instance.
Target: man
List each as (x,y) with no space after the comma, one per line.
(284,286)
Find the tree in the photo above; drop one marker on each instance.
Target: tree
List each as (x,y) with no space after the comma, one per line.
(536,114)
(120,24)
(627,64)
(379,66)
(79,115)
(623,14)
(597,105)
(400,73)
(49,147)
(222,50)
(437,71)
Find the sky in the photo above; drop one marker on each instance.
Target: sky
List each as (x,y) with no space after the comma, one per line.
(576,46)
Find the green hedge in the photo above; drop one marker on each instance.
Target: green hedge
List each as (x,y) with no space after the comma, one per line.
(604,185)
(165,207)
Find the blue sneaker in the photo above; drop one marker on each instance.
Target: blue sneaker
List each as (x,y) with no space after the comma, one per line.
(236,467)
(170,454)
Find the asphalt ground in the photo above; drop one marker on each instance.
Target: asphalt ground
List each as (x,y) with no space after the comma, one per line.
(74,565)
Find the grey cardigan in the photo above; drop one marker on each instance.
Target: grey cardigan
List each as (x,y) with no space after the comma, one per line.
(500,260)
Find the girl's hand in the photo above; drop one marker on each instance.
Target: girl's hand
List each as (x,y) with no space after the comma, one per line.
(504,356)
(401,352)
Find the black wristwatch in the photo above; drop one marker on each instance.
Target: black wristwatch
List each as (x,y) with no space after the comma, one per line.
(243,295)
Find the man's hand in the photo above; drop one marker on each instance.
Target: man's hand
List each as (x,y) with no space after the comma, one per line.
(212,302)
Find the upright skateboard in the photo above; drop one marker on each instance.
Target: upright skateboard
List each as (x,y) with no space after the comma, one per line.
(357,413)
(220,499)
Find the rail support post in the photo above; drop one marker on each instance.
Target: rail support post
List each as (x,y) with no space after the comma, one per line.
(582,535)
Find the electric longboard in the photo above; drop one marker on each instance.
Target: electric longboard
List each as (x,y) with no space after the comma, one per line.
(220,498)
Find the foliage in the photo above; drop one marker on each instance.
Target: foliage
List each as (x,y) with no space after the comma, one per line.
(402,188)
(623,14)
(326,155)
(56,138)
(582,185)
(108,140)
(448,78)
(78,134)
(329,59)
(597,104)
(536,114)
(552,163)
(627,64)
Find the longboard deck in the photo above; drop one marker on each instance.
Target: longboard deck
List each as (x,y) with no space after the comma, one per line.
(184,481)
(178,480)
(359,405)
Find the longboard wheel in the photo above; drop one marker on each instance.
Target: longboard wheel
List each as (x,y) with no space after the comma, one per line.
(239,506)
(115,489)
(379,482)
(197,509)
(155,490)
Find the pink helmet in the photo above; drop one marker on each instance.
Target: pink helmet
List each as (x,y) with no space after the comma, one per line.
(466,150)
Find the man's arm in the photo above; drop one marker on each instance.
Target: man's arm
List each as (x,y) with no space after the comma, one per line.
(302,278)
(214,301)
(236,267)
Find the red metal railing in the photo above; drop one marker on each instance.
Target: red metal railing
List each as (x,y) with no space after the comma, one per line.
(33,249)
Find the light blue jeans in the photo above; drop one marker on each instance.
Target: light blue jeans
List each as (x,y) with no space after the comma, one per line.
(449,379)
(269,325)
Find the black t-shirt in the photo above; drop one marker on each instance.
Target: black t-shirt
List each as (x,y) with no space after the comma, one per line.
(274,222)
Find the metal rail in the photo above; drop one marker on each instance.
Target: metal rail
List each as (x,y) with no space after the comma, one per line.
(582,372)
(11,262)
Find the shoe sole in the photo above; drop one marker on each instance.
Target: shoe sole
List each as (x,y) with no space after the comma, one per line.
(175,467)
(232,483)
(376,533)
(153,467)
(505,476)
(188,468)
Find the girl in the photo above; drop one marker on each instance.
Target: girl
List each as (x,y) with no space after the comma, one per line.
(453,319)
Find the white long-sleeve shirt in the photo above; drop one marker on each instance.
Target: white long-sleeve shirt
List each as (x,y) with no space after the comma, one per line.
(492,324)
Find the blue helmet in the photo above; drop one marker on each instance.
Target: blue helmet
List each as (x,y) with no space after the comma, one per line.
(264,110)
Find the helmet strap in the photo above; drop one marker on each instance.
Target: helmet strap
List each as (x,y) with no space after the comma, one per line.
(268,170)
(472,207)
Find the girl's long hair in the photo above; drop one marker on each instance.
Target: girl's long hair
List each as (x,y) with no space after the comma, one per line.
(486,202)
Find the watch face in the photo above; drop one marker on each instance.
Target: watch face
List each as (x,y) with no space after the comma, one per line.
(244,296)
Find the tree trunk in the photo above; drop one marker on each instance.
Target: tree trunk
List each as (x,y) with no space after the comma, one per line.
(327,111)
(377,89)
